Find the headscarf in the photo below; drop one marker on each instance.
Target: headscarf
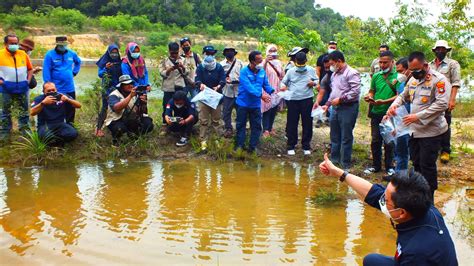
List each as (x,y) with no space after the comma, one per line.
(275,62)
(209,63)
(115,71)
(136,65)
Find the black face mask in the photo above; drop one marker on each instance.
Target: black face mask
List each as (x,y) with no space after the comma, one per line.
(419,74)
(440,55)
(114,55)
(230,55)
(186,49)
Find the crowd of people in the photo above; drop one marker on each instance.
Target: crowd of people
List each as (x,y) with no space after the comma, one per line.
(258,91)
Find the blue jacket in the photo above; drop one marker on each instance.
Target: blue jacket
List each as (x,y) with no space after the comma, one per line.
(210,78)
(143,81)
(61,69)
(250,88)
(421,241)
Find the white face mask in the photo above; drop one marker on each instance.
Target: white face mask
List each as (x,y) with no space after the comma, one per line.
(333,68)
(385,71)
(401,78)
(179,106)
(29,53)
(258,67)
(331,50)
(383,208)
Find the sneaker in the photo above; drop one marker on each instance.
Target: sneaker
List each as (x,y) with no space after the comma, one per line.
(203,145)
(370,171)
(444,157)
(307,152)
(390,172)
(291,152)
(182,142)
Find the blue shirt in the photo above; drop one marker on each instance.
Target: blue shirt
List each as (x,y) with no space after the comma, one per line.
(211,78)
(143,81)
(400,90)
(61,69)
(52,114)
(250,88)
(419,241)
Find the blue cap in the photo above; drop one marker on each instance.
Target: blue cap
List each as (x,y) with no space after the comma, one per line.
(209,48)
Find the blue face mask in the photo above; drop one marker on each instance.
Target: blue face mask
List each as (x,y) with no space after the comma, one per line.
(13,47)
(62,48)
(385,71)
(300,68)
(209,58)
(135,55)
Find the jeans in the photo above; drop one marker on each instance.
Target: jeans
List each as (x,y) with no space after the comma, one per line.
(228,104)
(70,110)
(297,109)
(62,132)
(424,153)
(184,131)
(268,118)
(24,116)
(402,153)
(376,145)
(378,260)
(446,139)
(131,127)
(254,115)
(342,122)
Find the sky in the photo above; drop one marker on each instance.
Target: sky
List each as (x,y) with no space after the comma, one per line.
(378,8)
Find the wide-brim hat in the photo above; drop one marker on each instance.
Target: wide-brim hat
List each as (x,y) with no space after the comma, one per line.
(296,50)
(124,79)
(209,48)
(228,49)
(441,43)
(28,43)
(62,40)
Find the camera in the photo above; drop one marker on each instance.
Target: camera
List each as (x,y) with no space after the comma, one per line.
(56,95)
(141,89)
(175,119)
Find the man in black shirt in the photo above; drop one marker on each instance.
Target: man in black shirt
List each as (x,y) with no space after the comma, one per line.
(320,71)
(181,116)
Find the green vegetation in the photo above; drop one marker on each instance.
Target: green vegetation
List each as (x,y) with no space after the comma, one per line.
(33,145)
(325,197)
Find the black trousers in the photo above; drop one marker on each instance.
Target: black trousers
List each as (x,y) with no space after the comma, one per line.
(167,96)
(446,139)
(376,145)
(424,153)
(184,131)
(70,110)
(297,109)
(131,127)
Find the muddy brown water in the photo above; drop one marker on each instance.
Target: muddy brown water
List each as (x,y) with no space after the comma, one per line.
(195,212)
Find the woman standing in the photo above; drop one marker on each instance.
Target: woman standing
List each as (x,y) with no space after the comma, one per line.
(275,73)
(133,64)
(109,71)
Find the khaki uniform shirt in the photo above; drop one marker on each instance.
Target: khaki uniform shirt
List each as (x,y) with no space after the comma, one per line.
(450,68)
(174,78)
(429,100)
(231,90)
(190,64)
(114,116)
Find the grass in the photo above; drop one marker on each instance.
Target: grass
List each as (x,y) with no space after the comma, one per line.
(324,198)
(33,145)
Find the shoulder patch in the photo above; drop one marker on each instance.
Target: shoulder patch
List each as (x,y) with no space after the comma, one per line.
(441,87)
(168,106)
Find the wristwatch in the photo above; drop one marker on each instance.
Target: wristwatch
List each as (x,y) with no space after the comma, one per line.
(343,176)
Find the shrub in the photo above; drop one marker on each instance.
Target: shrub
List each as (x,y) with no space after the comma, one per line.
(68,17)
(140,23)
(215,30)
(125,23)
(155,39)
(191,29)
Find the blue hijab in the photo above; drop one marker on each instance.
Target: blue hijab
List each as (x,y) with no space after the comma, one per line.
(115,71)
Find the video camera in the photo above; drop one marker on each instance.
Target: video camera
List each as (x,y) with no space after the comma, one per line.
(55,94)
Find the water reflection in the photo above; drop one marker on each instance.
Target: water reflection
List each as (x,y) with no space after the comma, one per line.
(183,212)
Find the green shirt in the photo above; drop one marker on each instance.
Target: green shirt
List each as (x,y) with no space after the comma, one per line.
(382,90)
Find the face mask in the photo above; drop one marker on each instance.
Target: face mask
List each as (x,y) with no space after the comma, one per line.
(440,55)
(418,74)
(186,49)
(385,71)
(114,55)
(301,68)
(229,55)
(13,47)
(385,211)
(401,78)
(62,48)
(331,50)
(274,55)
(135,55)
(29,53)
(333,68)
(209,58)
(179,106)
(209,63)
(258,67)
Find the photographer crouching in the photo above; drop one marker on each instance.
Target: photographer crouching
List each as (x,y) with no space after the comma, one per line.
(181,116)
(51,110)
(127,110)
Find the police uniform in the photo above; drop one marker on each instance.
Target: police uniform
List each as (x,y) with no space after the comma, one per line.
(452,71)
(428,99)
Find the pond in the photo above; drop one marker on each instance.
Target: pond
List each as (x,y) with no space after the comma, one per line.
(191,212)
